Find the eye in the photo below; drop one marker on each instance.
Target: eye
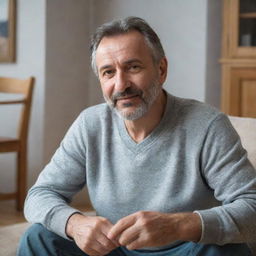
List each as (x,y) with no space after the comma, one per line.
(108,73)
(134,68)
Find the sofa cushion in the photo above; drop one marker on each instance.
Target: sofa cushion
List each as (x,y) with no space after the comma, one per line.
(246,128)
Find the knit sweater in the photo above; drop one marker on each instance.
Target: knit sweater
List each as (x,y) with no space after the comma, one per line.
(192,161)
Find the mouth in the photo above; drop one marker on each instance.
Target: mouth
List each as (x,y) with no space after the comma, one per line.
(127,97)
(126,101)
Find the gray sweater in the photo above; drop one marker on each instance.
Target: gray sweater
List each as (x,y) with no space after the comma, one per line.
(192,161)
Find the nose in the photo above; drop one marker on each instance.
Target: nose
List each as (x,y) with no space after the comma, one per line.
(121,81)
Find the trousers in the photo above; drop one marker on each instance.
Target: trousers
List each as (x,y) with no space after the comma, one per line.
(38,241)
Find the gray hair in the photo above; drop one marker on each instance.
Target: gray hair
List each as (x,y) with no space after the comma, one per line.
(123,26)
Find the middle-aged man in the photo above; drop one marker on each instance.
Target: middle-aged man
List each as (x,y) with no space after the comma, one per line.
(166,175)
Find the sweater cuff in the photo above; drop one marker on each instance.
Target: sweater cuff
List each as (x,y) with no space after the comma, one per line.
(59,221)
(211,228)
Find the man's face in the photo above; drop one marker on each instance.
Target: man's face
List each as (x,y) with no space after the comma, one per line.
(129,79)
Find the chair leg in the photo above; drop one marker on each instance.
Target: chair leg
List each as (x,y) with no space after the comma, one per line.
(21,178)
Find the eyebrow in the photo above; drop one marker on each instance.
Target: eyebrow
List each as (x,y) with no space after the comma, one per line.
(130,61)
(105,67)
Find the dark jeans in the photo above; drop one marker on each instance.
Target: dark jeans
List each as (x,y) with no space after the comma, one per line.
(38,241)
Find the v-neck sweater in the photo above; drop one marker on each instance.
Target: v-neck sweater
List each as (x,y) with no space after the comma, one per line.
(192,161)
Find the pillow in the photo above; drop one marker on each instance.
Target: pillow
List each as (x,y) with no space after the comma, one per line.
(246,128)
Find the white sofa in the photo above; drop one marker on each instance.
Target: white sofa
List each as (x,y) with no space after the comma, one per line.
(246,128)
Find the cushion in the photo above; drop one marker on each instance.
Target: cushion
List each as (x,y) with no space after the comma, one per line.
(246,128)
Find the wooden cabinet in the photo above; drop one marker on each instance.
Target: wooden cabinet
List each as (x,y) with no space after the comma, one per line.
(239,58)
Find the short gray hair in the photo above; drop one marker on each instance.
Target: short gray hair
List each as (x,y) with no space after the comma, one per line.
(123,26)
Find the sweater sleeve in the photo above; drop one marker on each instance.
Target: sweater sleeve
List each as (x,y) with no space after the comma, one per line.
(228,172)
(47,201)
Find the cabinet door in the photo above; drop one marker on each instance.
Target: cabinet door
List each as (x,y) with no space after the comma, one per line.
(243,92)
(242,28)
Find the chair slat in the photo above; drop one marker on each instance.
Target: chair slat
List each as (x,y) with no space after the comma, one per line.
(10,102)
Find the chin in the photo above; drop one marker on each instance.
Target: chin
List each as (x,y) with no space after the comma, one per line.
(132,115)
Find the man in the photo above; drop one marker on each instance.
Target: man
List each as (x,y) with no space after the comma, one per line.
(166,176)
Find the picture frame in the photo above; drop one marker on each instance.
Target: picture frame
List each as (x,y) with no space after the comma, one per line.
(7,30)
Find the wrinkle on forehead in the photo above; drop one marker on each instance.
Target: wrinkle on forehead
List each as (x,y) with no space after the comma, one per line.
(121,48)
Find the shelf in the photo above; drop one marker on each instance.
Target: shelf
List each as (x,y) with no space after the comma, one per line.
(248,15)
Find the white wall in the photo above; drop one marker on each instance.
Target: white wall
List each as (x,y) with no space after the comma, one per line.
(52,45)
(213,53)
(67,68)
(30,61)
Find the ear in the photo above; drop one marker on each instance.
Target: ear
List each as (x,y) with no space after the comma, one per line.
(162,67)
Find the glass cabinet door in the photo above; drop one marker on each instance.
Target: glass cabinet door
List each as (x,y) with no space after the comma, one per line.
(241,17)
(247,23)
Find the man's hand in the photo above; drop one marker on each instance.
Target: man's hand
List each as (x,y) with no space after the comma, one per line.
(150,229)
(90,234)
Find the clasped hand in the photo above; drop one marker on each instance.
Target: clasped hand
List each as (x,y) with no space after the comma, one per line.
(98,236)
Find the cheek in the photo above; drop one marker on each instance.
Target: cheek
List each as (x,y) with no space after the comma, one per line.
(107,89)
(144,82)
(145,79)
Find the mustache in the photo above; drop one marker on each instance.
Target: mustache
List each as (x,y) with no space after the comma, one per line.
(127,92)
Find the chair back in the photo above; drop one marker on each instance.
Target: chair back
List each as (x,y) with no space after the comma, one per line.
(24,87)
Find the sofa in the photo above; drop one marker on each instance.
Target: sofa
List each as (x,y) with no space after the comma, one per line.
(246,128)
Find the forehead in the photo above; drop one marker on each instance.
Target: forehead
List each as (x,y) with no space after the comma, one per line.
(120,48)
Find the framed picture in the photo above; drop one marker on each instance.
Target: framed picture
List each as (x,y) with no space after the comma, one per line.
(7,30)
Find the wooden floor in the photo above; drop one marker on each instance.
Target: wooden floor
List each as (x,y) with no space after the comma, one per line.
(9,215)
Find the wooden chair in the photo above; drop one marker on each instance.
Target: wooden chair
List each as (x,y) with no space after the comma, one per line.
(19,144)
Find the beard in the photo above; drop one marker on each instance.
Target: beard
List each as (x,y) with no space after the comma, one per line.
(147,97)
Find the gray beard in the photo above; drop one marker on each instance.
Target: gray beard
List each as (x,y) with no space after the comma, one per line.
(144,106)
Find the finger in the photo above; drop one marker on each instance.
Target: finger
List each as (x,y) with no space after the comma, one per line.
(135,237)
(120,226)
(95,248)
(89,251)
(136,244)
(132,240)
(107,225)
(106,242)
(128,235)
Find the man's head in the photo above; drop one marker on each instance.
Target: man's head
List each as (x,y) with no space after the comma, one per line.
(123,26)
(128,58)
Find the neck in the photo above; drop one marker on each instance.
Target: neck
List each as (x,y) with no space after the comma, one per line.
(139,129)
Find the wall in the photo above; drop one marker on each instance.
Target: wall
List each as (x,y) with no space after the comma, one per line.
(30,60)
(213,53)
(52,45)
(67,68)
